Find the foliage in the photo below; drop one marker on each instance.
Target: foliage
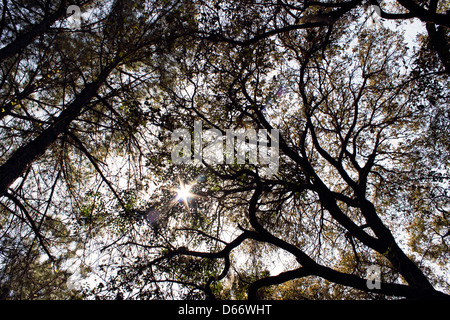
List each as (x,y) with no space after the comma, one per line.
(89,189)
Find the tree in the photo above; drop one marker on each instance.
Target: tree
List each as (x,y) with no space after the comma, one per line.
(358,183)
(57,97)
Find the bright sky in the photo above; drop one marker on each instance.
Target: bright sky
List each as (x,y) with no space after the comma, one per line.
(283,261)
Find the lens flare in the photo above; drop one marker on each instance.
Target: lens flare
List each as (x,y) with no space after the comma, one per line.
(184,194)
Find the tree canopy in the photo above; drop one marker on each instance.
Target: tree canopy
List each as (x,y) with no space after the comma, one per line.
(350,119)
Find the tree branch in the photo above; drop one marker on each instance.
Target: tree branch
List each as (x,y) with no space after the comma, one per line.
(31,223)
(278,279)
(93,161)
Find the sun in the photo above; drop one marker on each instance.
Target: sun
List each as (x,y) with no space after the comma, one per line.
(184,193)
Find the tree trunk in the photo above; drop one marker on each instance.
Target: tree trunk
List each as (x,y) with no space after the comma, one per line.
(439,43)
(24,156)
(23,40)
